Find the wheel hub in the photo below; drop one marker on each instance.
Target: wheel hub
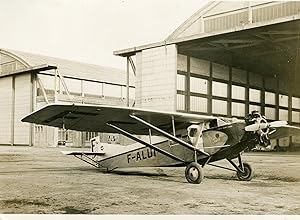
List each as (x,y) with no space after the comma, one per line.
(193,173)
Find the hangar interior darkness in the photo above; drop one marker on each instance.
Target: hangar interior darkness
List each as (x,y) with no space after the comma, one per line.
(263,58)
(255,69)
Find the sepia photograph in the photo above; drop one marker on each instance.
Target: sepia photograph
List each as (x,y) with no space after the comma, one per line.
(125,108)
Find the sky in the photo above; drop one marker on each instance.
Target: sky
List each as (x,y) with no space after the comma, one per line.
(89,30)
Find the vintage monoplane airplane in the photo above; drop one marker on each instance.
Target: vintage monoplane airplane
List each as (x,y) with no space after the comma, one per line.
(189,140)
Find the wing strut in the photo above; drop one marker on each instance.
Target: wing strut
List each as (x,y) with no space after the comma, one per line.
(127,134)
(173,126)
(166,134)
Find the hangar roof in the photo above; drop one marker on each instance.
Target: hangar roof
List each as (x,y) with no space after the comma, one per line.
(260,36)
(30,61)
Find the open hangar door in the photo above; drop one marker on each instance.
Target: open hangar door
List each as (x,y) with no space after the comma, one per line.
(253,69)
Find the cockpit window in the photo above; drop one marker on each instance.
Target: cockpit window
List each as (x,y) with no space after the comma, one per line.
(213,123)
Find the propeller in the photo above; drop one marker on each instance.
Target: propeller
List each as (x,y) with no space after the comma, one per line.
(264,125)
(259,125)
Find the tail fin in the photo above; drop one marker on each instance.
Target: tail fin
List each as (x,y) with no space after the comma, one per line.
(96,145)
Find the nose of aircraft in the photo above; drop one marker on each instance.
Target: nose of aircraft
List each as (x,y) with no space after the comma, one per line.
(258,124)
(263,129)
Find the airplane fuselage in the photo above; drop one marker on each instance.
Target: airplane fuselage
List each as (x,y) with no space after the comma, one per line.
(222,142)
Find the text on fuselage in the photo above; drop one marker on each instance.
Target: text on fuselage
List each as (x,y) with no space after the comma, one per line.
(143,154)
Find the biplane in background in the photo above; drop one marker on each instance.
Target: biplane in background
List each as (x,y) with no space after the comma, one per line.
(189,140)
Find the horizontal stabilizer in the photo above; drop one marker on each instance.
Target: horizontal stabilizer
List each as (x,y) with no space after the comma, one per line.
(82,153)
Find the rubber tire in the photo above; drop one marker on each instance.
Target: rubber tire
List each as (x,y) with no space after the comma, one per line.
(247,176)
(194,173)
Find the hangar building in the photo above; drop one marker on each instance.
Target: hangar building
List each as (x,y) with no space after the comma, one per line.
(29,81)
(227,59)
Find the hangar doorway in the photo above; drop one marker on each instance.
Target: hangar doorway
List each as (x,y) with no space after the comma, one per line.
(235,73)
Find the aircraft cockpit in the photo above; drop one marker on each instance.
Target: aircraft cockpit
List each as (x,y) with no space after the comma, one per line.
(218,122)
(196,129)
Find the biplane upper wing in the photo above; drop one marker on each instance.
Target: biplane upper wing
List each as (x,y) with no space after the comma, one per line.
(95,118)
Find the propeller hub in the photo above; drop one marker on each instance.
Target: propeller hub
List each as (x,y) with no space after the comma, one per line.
(257,123)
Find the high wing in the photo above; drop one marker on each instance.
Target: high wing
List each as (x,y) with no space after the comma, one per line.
(82,117)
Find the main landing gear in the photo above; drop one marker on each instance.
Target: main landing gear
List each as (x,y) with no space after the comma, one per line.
(244,171)
(194,173)
(247,174)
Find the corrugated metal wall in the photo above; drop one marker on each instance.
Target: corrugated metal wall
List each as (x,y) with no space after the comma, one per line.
(156,78)
(6,101)
(15,103)
(275,11)
(22,107)
(226,22)
(259,13)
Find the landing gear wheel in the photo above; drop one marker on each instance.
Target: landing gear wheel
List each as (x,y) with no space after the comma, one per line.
(247,174)
(194,173)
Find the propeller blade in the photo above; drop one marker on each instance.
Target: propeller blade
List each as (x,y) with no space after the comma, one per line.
(259,126)
(256,127)
(275,124)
